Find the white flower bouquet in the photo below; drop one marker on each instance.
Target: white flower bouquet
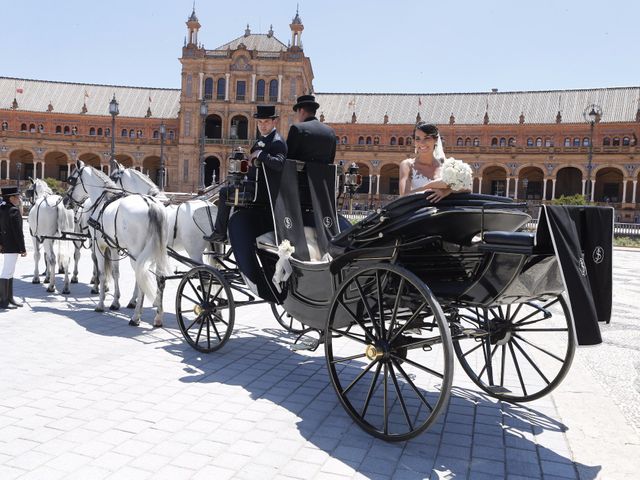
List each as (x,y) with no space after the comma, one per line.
(283,266)
(457,174)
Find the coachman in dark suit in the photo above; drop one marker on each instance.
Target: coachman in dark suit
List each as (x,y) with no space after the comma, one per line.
(11,243)
(269,149)
(310,140)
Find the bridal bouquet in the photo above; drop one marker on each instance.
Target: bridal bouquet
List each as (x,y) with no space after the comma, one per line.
(457,174)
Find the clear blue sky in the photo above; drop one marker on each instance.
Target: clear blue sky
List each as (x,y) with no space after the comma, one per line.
(354,45)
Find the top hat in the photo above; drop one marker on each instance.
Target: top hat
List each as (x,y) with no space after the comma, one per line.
(9,191)
(306,101)
(265,111)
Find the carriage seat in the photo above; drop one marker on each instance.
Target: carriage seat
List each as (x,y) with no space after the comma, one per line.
(509,242)
(267,242)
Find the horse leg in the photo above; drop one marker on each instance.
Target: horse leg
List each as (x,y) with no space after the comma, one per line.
(101,275)
(76,260)
(36,260)
(134,298)
(157,320)
(137,313)
(65,268)
(115,274)
(51,266)
(95,279)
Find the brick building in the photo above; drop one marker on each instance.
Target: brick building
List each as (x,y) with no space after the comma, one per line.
(527,145)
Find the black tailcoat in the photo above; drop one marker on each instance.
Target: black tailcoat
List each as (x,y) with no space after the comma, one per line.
(312,141)
(11,236)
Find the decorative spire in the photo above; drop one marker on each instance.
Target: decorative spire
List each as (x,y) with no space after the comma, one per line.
(14,104)
(192,17)
(354,118)
(418,118)
(270,32)
(452,119)
(148,114)
(385,120)
(50,107)
(485,120)
(84,108)
(296,20)
(521,119)
(322,117)
(247,31)
(559,117)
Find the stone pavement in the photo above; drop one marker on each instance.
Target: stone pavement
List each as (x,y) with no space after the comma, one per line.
(85,396)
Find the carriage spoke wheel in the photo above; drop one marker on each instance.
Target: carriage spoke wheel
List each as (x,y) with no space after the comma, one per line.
(205,309)
(388,350)
(285,320)
(520,352)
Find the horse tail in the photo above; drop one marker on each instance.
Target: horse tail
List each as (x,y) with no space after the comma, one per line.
(155,250)
(65,224)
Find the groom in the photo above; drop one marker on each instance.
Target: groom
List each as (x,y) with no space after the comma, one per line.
(270,149)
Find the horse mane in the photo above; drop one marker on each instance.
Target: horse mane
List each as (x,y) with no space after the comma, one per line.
(153,188)
(46,189)
(102,176)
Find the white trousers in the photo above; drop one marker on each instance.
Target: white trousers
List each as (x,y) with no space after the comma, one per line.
(9,264)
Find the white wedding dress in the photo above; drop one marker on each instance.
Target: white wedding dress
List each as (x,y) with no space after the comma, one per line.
(417,179)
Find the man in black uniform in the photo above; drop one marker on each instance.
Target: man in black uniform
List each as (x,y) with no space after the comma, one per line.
(11,243)
(310,140)
(270,149)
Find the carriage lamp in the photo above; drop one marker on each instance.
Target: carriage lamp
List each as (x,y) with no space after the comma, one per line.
(592,115)
(352,179)
(113,111)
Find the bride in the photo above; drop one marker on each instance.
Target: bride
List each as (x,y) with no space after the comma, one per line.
(424,172)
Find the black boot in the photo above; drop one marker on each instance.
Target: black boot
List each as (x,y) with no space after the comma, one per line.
(12,300)
(4,295)
(215,237)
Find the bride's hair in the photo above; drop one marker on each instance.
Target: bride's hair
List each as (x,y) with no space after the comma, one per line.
(431,130)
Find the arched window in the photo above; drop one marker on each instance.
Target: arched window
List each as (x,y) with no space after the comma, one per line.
(503,142)
(585,142)
(512,141)
(41,128)
(74,131)
(467,142)
(606,141)
(360,140)
(67,130)
(32,128)
(92,131)
(156,134)
(345,140)
(124,133)
(5,126)
(208,88)
(548,142)
(132,133)
(392,141)
(476,142)
(567,142)
(576,142)
(260,88)
(107,132)
(626,141)
(529,142)
(58,129)
(538,142)
(273,90)
(616,141)
(409,141)
(140,134)
(172,134)
(220,89)
(460,142)
(494,142)
(99,133)
(401,141)
(369,141)
(23,127)
(376,140)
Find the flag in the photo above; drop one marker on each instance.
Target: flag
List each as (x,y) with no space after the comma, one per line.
(19,90)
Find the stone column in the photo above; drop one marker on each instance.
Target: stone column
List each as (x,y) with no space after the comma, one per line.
(553,188)
(479,184)
(584,183)
(279,88)
(633,193)
(253,87)
(593,189)
(624,191)
(515,188)
(544,189)
(226,86)
(201,86)
(506,191)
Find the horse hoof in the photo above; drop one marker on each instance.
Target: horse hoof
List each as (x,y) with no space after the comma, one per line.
(131,305)
(35,280)
(51,289)
(114,307)
(98,309)
(95,291)
(106,289)
(66,291)
(60,271)
(134,323)
(157,326)
(74,280)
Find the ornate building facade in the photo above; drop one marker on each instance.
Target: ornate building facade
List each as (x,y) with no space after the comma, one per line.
(527,145)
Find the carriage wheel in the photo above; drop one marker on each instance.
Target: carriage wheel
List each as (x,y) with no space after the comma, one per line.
(205,309)
(520,352)
(388,350)
(285,320)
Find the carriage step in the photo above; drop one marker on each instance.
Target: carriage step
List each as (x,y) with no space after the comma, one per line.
(474,332)
(305,343)
(498,390)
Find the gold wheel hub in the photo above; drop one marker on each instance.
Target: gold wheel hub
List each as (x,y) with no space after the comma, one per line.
(198,310)
(373,353)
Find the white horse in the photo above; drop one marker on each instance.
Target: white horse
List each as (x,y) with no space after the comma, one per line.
(187,222)
(135,224)
(48,218)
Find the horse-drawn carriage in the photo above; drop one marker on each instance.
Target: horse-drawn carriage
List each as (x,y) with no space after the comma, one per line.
(394,297)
